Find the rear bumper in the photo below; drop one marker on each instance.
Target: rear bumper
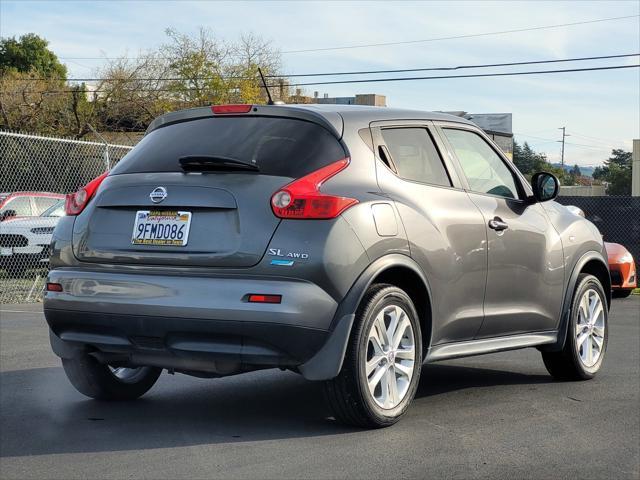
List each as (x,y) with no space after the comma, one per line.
(194,324)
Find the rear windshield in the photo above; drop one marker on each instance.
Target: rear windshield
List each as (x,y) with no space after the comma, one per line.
(277,146)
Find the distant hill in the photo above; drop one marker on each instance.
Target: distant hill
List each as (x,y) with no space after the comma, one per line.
(586,171)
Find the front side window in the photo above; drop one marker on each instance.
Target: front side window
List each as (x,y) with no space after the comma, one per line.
(415,156)
(486,172)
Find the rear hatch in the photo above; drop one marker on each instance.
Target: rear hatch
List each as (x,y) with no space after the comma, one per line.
(216,176)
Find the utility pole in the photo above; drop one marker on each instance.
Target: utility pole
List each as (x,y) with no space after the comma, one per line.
(564,134)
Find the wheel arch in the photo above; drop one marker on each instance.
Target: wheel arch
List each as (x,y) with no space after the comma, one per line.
(396,269)
(593,263)
(415,286)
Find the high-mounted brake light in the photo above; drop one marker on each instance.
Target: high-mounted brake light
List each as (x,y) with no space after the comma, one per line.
(75,202)
(302,198)
(235,108)
(260,298)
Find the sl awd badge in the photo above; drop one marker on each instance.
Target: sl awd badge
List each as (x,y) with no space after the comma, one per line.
(285,258)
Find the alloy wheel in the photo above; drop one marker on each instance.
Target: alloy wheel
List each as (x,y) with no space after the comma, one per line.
(590,328)
(390,356)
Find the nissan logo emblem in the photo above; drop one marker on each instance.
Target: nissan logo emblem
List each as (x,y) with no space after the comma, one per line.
(158,194)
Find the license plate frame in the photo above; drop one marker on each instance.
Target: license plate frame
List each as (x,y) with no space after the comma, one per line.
(157,228)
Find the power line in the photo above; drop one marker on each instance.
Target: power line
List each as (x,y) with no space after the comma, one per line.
(365,72)
(475,75)
(407,42)
(597,139)
(398,79)
(549,140)
(454,37)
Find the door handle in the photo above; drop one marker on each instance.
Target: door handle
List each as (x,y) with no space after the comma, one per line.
(497,224)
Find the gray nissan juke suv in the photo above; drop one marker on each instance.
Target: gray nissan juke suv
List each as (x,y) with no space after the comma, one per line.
(348,244)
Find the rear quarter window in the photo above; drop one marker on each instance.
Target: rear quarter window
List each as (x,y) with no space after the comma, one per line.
(277,146)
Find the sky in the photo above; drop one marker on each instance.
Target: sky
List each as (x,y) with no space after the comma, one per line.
(600,109)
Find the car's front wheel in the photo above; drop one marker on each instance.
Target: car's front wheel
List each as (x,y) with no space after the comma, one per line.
(104,382)
(587,334)
(382,364)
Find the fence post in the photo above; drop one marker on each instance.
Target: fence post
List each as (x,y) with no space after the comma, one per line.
(635,169)
(107,163)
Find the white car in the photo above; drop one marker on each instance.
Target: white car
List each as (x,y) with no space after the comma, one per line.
(24,242)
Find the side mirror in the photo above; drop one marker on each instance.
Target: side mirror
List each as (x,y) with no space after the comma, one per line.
(545,186)
(6,214)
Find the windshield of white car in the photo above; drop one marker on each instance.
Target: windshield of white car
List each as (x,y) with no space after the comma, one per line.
(56,210)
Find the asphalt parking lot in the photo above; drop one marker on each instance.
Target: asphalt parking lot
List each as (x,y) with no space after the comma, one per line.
(497,416)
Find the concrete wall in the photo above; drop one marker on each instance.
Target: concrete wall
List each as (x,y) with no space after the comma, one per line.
(583,191)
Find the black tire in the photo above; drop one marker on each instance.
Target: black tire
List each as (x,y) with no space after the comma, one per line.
(96,380)
(348,394)
(621,293)
(567,364)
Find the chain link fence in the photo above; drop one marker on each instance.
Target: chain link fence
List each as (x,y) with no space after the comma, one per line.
(35,174)
(617,218)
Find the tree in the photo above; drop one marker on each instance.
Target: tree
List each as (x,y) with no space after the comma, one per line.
(575,171)
(523,158)
(529,162)
(187,71)
(616,172)
(30,54)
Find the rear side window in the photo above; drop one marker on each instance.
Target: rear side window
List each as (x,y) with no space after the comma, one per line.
(277,146)
(415,156)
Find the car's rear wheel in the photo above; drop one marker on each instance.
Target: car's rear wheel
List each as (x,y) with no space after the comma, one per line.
(587,334)
(382,364)
(104,382)
(621,293)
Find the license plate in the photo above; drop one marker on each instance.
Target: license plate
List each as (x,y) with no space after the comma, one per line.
(161,227)
(6,251)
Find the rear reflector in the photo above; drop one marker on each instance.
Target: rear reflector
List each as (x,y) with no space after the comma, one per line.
(258,298)
(226,109)
(54,287)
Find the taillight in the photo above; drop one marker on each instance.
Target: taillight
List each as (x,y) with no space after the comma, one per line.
(54,287)
(302,198)
(227,109)
(75,202)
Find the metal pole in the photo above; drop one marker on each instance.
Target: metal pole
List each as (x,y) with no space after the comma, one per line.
(562,154)
(107,163)
(635,166)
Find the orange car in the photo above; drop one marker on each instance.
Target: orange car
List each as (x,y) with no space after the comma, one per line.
(623,270)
